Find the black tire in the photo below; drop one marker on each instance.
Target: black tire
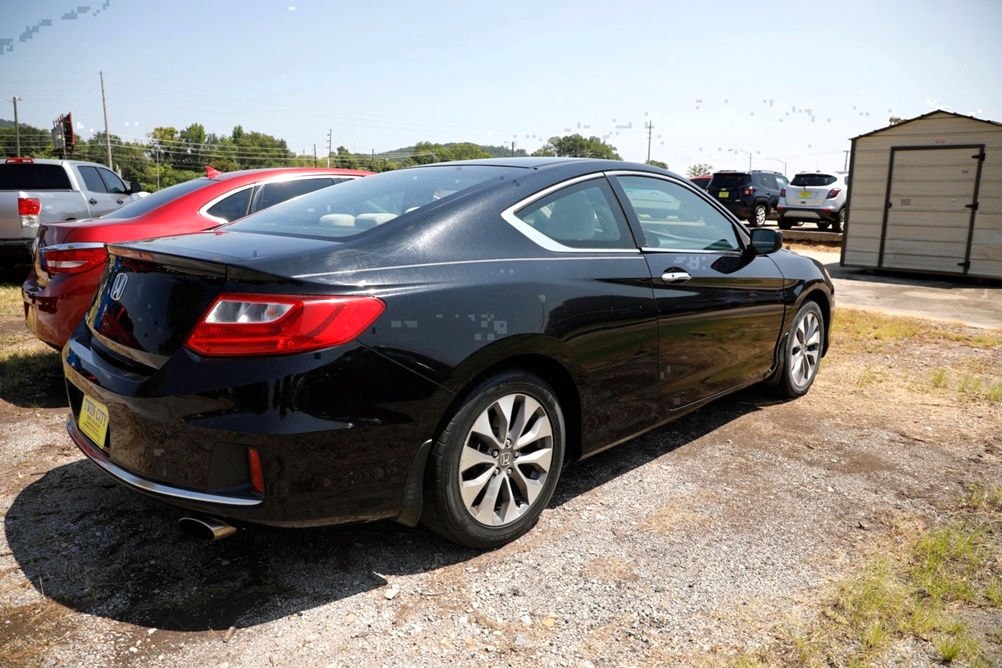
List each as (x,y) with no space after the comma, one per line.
(785,224)
(839,224)
(801,352)
(822,225)
(759,214)
(477,491)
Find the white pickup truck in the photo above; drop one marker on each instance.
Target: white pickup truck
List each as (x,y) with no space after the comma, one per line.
(34,192)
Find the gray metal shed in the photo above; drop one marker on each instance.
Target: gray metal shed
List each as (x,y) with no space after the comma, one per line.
(925,195)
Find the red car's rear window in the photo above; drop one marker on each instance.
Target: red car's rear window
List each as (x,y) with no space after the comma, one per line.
(143,206)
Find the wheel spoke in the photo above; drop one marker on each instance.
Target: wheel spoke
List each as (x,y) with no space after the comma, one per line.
(471,489)
(485,511)
(472,457)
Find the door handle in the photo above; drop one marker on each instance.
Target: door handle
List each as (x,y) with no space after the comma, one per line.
(92,200)
(119,200)
(675,276)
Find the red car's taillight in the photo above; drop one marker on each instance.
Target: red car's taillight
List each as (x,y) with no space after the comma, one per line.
(29,206)
(57,260)
(237,325)
(833,193)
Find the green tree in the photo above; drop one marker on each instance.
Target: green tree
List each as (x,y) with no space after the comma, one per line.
(658,163)
(577,146)
(35,143)
(699,169)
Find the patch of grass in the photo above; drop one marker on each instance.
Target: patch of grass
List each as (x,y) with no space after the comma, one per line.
(916,589)
(867,330)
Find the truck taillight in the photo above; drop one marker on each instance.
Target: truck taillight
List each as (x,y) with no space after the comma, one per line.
(239,324)
(29,206)
(59,260)
(833,193)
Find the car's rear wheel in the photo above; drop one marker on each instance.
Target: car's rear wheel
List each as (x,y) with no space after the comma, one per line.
(496,463)
(823,225)
(839,225)
(759,215)
(801,353)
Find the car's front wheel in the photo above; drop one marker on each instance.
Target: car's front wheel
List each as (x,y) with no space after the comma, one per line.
(759,215)
(496,463)
(801,353)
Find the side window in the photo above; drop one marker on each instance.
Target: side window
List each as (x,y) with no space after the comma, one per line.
(232,206)
(769,181)
(782,181)
(271,194)
(674,217)
(92,180)
(584,215)
(112,182)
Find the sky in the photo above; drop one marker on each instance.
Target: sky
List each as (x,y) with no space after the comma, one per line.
(781,86)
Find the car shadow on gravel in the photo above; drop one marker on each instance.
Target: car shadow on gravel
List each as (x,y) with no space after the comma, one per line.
(88,544)
(33,380)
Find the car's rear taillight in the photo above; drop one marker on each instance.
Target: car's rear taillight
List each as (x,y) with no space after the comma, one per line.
(70,260)
(256,472)
(782,193)
(29,206)
(749,190)
(833,193)
(237,325)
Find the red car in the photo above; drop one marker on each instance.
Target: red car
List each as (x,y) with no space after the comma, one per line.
(68,258)
(703,181)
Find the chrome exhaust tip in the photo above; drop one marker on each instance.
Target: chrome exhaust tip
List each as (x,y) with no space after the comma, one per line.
(205,528)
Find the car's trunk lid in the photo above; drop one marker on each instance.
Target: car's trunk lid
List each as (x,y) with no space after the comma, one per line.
(154,293)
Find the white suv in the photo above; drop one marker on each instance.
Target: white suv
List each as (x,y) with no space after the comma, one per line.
(815,197)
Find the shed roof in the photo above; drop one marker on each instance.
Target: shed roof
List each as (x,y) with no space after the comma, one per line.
(925,116)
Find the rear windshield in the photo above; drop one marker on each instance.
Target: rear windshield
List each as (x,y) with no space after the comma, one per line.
(28,176)
(729,180)
(813,180)
(356,206)
(152,201)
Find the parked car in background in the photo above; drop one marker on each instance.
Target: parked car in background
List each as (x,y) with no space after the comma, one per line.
(751,195)
(433,343)
(35,192)
(703,181)
(816,197)
(68,257)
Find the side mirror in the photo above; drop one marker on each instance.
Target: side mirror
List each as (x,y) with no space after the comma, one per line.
(135,187)
(765,241)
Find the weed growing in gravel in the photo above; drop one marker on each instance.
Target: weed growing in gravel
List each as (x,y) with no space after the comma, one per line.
(916,590)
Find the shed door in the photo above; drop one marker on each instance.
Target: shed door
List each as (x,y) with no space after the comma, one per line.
(928,213)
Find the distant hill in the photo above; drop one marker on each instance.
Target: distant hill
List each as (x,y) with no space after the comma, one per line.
(494,151)
(6,124)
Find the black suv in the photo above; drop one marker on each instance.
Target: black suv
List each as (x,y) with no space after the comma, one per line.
(751,195)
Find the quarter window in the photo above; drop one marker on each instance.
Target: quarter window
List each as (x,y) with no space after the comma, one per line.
(674,217)
(232,206)
(583,215)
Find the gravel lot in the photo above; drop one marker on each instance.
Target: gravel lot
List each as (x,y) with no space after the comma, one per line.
(681,547)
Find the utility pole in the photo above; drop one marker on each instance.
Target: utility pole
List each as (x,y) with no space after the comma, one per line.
(315,154)
(330,145)
(107,133)
(17,129)
(650,130)
(846,168)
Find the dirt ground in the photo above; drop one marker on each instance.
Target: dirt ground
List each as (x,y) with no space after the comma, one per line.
(91,574)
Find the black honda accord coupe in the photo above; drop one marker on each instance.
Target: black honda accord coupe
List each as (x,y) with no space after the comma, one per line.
(431,344)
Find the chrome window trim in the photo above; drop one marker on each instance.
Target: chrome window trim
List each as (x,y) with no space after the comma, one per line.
(546,242)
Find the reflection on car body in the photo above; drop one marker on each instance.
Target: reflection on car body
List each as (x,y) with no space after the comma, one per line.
(433,344)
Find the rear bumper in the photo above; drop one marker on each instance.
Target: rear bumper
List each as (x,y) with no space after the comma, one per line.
(803,213)
(325,457)
(53,311)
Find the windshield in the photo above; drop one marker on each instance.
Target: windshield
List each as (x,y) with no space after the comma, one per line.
(813,180)
(730,180)
(356,206)
(143,206)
